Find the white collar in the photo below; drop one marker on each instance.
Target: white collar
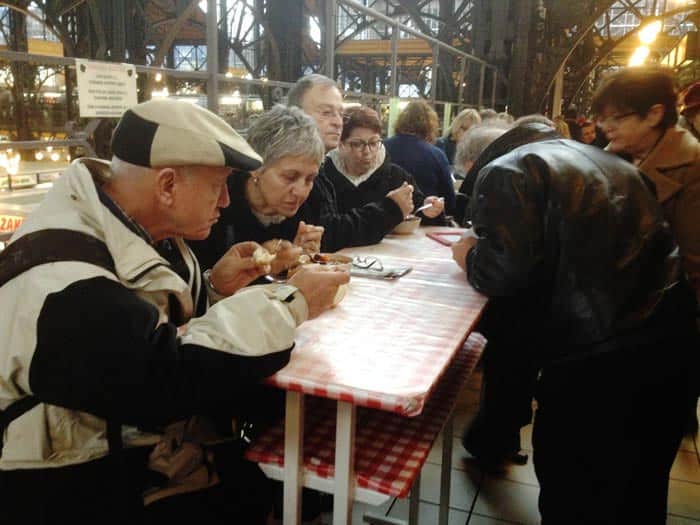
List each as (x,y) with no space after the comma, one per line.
(356,180)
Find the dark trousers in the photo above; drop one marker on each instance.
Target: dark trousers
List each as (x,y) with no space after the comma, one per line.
(508,381)
(109,490)
(508,386)
(607,430)
(97,492)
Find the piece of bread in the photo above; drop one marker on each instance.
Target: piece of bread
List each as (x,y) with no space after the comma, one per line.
(262,257)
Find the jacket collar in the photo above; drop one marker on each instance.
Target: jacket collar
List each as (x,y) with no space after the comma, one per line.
(337,160)
(675,150)
(75,198)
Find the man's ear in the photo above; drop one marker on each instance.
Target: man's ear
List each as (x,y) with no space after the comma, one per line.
(655,114)
(166,186)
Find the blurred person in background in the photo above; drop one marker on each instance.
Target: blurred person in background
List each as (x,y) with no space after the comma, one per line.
(534,117)
(690,119)
(412,148)
(464,120)
(584,132)
(487,114)
(470,147)
(505,117)
(362,172)
(564,127)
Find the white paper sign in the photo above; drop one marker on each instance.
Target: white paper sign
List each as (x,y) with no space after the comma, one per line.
(104,89)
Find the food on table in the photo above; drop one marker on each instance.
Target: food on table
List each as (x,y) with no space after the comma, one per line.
(262,257)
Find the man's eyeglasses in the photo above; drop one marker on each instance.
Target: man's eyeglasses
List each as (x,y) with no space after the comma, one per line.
(613,120)
(360,145)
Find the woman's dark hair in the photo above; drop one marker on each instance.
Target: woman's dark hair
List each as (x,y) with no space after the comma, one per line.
(360,117)
(637,89)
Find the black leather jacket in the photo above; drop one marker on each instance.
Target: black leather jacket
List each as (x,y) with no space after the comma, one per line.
(579,231)
(516,137)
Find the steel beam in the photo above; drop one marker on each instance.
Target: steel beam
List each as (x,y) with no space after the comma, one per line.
(212,58)
(482,74)
(394,62)
(407,29)
(329,36)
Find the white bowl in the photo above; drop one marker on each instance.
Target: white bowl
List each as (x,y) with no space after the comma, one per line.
(408,226)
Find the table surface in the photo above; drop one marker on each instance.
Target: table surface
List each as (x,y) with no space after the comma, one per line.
(387,342)
(390,450)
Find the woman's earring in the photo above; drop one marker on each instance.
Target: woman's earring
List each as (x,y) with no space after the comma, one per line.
(255,180)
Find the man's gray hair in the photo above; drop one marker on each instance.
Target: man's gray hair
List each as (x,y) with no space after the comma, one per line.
(533,117)
(285,131)
(295,96)
(476,139)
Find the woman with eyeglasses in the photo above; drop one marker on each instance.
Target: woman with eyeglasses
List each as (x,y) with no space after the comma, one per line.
(412,148)
(361,171)
(636,109)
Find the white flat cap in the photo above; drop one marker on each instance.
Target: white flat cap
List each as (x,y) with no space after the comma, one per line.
(164,132)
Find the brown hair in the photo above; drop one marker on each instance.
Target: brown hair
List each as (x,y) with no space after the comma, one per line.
(360,117)
(637,89)
(418,118)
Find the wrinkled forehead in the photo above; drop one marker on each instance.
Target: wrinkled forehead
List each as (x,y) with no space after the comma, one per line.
(323,96)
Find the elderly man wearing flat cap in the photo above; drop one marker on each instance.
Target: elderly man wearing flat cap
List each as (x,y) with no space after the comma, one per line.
(110,347)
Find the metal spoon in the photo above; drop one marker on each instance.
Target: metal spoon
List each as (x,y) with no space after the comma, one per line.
(421,208)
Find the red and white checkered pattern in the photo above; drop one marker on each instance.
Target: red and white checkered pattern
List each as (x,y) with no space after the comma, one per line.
(390,449)
(386,343)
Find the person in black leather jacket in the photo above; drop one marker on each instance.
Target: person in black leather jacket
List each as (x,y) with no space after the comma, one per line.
(575,237)
(509,375)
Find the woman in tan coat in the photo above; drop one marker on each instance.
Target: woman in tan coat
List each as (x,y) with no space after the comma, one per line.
(636,109)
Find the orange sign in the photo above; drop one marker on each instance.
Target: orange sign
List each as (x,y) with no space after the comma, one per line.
(9,223)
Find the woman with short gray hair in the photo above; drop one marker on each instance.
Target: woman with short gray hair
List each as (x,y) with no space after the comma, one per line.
(267,203)
(475,141)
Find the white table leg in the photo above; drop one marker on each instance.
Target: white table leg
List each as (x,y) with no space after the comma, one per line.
(293,457)
(446,470)
(344,464)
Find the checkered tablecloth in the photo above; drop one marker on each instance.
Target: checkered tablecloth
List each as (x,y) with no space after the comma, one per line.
(387,342)
(390,449)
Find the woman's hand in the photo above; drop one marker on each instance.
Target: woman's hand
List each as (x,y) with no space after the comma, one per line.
(309,237)
(236,269)
(286,252)
(403,197)
(460,250)
(438,206)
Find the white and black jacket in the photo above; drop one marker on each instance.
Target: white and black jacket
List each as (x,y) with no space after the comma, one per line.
(95,345)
